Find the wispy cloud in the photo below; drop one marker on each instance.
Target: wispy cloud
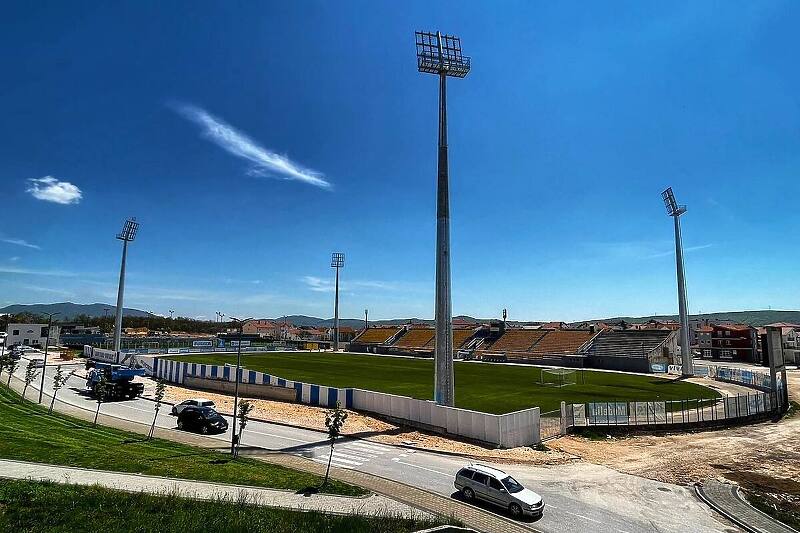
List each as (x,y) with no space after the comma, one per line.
(317,284)
(686,249)
(265,162)
(10,269)
(14,258)
(637,250)
(20,242)
(50,189)
(47,290)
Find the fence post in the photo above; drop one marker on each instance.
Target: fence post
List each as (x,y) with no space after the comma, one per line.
(563,418)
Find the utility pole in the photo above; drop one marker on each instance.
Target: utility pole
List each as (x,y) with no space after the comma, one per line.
(46,347)
(237,379)
(128,234)
(337,262)
(366,319)
(441,55)
(675,211)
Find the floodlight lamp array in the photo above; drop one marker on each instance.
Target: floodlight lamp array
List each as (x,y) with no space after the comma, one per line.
(129,230)
(673,209)
(440,54)
(337,260)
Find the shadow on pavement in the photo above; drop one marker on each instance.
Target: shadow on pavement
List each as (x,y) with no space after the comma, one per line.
(480,504)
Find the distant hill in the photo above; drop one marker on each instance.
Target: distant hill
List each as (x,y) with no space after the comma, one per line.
(358,323)
(754,318)
(68,310)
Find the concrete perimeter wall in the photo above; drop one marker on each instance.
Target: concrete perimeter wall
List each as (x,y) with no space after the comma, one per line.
(510,430)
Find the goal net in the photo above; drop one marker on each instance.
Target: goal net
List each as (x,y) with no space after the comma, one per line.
(558,377)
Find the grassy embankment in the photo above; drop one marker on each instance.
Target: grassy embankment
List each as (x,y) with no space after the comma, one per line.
(29,433)
(492,388)
(39,507)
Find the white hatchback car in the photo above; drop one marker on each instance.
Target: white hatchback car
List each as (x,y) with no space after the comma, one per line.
(497,487)
(194,402)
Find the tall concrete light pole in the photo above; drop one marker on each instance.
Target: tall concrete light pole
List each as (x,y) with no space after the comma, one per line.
(675,211)
(337,262)
(128,234)
(441,55)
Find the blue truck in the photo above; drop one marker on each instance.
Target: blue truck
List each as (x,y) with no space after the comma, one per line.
(116,380)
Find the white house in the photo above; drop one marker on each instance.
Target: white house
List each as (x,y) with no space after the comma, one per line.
(30,334)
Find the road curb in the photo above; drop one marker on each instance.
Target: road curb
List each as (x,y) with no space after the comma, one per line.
(735,519)
(698,489)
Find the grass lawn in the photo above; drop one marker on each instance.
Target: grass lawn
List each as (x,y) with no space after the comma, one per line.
(39,506)
(28,433)
(492,388)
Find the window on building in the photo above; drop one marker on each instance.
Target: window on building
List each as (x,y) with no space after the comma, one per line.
(15,332)
(706,353)
(726,353)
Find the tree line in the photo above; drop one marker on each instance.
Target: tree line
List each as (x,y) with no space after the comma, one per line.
(189,325)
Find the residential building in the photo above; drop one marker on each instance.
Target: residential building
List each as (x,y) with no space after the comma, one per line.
(735,342)
(263,327)
(31,334)
(702,336)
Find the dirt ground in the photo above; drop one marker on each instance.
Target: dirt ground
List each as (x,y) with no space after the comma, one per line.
(366,427)
(763,458)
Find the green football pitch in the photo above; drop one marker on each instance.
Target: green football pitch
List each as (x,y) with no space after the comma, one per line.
(492,388)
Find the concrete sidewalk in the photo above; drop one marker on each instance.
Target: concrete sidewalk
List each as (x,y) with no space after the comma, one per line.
(726,500)
(370,505)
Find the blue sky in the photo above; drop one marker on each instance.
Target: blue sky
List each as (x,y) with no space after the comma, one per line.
(251,139)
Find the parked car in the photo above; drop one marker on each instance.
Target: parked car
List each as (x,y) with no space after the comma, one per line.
(496,487)
(203,419)
(193,402)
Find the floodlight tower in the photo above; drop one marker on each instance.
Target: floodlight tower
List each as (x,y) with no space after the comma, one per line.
(675,211)
(337,262)
(128,234)
(441,54)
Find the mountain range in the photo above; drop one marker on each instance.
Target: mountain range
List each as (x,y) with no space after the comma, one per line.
(68,310)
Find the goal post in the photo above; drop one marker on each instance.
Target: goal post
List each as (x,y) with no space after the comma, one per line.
(558,377)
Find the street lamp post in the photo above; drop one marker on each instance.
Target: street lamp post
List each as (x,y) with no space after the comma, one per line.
(337,262)
(237,378)
(441,55)
(46,347)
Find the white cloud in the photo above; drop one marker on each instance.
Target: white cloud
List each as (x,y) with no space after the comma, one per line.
(20,242)
(50,189)
(266,163)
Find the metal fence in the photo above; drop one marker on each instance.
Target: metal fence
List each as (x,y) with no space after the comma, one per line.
(668,413)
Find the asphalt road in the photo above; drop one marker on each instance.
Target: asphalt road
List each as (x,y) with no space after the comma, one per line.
(578,497)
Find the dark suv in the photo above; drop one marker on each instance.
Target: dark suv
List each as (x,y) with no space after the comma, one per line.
(203,419)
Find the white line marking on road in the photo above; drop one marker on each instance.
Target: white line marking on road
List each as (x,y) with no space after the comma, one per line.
(397,460)
(372,448)
(336,461)
(337,454)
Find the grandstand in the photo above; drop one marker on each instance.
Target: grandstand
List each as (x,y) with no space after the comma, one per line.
(376,335)
(563,341)
(632,349)
(517,340)
(417,339)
